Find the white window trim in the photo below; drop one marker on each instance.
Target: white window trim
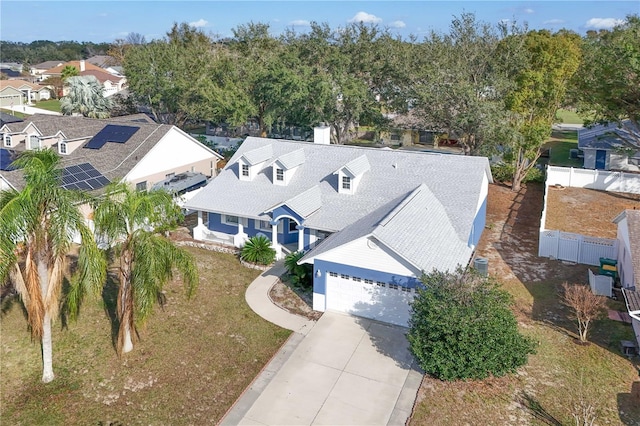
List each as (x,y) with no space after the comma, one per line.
(62,148)
(347,183)
(280,175)
(243,168)
(259,224)
(34,137)
(7,138)
(241,220)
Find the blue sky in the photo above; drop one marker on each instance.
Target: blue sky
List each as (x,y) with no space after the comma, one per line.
(101,21)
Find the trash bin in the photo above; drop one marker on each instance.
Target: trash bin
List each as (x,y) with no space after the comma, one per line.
(481,265)
(608,267)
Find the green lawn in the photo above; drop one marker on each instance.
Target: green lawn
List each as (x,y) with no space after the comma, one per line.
(560,144)
(193,360)
(569,117)
(50,105)
(14,113)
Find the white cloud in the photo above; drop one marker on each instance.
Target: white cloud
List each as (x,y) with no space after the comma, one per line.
(603,23)
(199,23)
(397,24)
(554,22)
(300,23)
(365,17)
(528,10)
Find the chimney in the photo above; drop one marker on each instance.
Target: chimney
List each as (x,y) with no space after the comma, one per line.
(82,65)
(322,134)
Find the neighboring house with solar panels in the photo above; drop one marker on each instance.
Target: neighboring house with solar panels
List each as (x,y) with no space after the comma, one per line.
(370,220)
(95,152)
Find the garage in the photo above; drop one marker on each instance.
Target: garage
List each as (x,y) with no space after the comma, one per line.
(367,298)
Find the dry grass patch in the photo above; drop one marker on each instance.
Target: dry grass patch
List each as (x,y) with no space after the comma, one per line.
(562,374)
(587,211)
(194,359)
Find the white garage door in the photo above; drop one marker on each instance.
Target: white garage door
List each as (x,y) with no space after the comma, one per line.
(369,299)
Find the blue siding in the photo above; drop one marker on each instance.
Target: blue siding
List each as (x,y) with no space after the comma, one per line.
(478,224)
(286,211)
(319,283)
(215,224)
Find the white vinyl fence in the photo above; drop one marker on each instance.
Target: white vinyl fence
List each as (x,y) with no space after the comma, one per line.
(578,248)
(594,179)
(601,285)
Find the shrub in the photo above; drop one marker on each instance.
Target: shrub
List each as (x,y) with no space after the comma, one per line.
(301,275)
(258,250)
(461,327)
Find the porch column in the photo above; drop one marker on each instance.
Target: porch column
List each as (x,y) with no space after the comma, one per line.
(274,238)
(300,237)
(200,222)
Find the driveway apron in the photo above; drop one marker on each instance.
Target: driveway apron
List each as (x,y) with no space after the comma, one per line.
(345,371)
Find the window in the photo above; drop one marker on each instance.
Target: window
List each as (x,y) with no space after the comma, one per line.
(7,140)
(63,148)
(280,174)
(381,284)
(406,289)
(34,142)
(344,277)
(245,170)
(357,279)
(231,220)
(346,182)
(292,226)
(141,186)
(395,136)
(366,281)
(393,286)
(333,274)
(263,224)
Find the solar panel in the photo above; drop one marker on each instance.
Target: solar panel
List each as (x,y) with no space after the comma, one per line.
(6,158)
(83,177)
(111,133)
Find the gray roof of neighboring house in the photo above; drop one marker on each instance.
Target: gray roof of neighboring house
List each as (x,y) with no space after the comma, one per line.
(632,298)
(610,136)
(47,65)
(455,182)
(8,118)
(113,160)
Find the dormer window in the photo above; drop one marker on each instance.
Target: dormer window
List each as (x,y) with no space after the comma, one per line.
(62,148)
(350,175)
(346,183)
(7,140)
(245,170)
(280,174)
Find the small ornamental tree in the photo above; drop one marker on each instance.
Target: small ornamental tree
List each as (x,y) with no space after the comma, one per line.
(461,327)
(585,306)
(258,250)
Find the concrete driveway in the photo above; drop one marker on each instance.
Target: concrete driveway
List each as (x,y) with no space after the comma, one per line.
(345,371)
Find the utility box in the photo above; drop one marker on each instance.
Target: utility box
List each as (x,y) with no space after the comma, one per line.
(481,264)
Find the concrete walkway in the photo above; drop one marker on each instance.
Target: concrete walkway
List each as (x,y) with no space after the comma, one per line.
(257,297)
(341,370)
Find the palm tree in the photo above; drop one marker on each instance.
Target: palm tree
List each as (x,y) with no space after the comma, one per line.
(135,223)
(37,226)
(69,71)
(85,97)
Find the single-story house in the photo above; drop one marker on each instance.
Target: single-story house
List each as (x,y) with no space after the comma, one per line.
(21,92)
(629,263)
(369,220)
(95,152)
(611,146)
(38,69)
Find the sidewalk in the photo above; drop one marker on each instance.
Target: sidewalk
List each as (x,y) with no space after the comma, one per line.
(257,296)
(26,109)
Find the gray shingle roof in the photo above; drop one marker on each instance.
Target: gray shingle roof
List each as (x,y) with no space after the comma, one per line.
(357,166)
(291,159)
(113,160)
(610,136)
(455,181)
(305,203)
(258,155)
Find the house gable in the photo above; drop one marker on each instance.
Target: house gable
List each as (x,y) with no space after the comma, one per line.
(284,167)
(252,162)
(350,175)
(175,151)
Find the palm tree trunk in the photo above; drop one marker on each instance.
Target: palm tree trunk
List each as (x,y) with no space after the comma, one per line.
(47,353)
(125,304)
